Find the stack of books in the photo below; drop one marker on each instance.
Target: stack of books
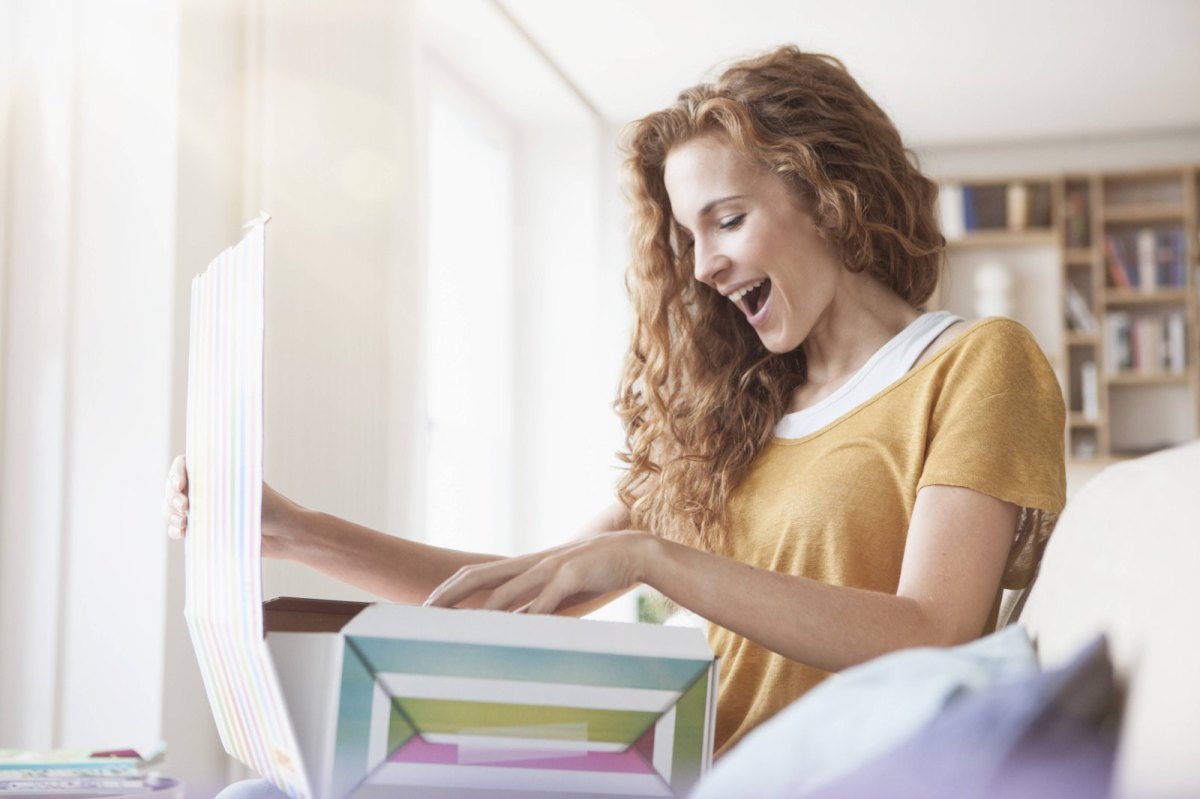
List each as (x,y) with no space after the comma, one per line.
(79,773)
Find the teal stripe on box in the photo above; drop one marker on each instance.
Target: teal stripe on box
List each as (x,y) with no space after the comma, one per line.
(445,659)
(353,722)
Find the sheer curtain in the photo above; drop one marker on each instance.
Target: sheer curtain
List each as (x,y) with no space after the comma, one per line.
(88,102)
(470,296)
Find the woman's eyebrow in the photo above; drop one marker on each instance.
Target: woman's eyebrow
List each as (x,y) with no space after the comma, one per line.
(711,204)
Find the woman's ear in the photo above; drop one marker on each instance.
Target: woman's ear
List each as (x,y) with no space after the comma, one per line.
(828,218)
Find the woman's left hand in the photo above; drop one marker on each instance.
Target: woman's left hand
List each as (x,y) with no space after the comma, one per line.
(544,582)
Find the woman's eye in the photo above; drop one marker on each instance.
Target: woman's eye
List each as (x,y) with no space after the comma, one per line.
(733,222)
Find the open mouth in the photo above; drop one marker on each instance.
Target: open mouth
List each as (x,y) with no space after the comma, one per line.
(753,300)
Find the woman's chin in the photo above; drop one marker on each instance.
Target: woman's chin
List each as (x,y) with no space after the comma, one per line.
(775,345)
(777,341)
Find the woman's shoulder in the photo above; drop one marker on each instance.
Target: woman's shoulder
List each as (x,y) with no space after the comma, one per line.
(993,353)
(996,336)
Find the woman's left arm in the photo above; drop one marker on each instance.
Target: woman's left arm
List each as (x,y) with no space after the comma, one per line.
(957,545)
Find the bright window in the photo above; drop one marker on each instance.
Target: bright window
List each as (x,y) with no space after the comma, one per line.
(469,334)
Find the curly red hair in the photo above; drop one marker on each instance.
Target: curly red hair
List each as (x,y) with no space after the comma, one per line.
(699,393)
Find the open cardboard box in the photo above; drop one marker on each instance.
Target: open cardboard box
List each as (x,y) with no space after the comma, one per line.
(475,703)
(337,699)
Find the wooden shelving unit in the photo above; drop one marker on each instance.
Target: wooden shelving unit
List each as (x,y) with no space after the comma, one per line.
(1127,245)
(1113,297)
(1003,238)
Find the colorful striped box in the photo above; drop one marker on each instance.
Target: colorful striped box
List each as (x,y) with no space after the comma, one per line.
(454,703)
(336,699)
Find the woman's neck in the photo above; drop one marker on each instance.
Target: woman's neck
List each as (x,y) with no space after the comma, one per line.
(863,316)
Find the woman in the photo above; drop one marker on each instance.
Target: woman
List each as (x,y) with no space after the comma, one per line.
(818,468)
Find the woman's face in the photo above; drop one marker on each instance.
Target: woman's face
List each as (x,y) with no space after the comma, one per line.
(753,243)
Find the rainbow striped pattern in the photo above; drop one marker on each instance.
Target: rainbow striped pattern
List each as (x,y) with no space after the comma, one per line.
(223,602)
(579,708)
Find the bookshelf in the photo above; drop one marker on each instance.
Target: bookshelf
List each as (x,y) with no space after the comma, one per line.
(1106,268)
(1142,240)
(981,217)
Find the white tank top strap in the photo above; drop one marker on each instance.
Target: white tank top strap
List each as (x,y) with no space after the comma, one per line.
(891,362)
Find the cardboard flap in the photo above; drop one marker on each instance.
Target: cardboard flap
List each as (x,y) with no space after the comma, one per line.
(287,614)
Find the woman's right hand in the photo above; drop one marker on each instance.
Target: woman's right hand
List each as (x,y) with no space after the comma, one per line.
(279,514)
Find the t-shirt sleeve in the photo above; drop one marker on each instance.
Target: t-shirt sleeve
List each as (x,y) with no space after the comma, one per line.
(997,424)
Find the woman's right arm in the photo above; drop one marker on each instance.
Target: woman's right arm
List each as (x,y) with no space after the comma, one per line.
(395,569)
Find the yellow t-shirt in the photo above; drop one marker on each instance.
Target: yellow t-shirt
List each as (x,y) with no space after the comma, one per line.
(985,412)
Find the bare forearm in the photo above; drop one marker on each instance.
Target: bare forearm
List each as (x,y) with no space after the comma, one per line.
(393,568)
(829,627)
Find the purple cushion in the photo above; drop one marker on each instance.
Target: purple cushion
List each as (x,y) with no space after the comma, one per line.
(1048,735)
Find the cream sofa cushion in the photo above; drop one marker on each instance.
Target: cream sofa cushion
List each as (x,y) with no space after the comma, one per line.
(1125,560)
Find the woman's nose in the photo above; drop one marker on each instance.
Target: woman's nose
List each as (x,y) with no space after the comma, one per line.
(708,264)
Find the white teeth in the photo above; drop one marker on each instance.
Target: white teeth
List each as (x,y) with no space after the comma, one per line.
(742,292)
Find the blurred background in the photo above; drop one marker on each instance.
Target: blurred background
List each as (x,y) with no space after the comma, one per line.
(446,313)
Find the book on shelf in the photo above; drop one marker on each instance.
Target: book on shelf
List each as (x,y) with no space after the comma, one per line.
(1089,385)
(1170,255)
(967,207)
(1176,343)
(1077,223)
(1079,315)
(1145,344)
(1039,213)
(1146,259)
(1016,206)
(951,211)
(1120,271)
(985,207)
(1118,342)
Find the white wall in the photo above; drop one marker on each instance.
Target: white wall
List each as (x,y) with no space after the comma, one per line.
(36,268)
(118,368)
(1057,156)
(84,435)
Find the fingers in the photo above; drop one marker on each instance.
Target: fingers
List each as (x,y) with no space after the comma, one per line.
(541,588)
(175,499)
(176,527)
(177,474)
(471,579)
(563,585)
(175,513)
(518,591)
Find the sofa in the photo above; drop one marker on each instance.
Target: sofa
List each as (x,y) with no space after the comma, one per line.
(1125,560)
